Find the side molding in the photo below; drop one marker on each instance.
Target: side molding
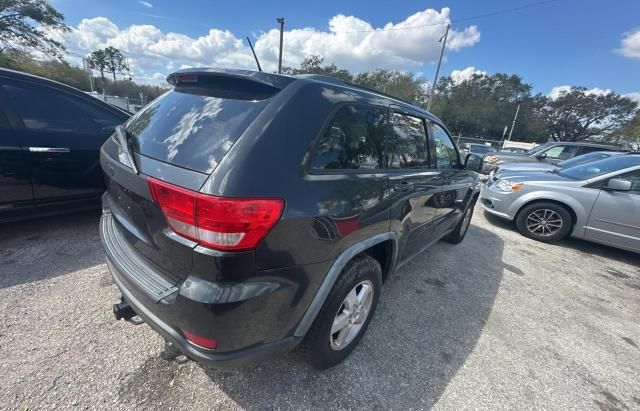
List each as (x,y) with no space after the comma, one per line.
(334,272)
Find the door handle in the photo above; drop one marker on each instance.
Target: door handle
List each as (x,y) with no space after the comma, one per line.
(49,150)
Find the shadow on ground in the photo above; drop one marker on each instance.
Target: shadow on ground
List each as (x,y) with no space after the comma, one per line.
(586,247)
(428,321)
(27,247)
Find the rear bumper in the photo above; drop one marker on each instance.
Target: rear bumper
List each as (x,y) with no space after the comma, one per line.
(251,320)
(226,360)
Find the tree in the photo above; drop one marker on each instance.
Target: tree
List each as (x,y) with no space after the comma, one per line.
(404,86)
(313,65)
(22,23)
(401,85)
(115,61)
(483,105)
(578,115)
(98,61)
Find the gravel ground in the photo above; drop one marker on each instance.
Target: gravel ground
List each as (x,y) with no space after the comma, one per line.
(497,322)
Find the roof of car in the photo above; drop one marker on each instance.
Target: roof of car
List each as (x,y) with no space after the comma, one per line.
(281,81)
(583,144)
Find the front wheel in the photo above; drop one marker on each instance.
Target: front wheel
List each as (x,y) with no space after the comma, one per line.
(345,315)
(458,233)
(547,222)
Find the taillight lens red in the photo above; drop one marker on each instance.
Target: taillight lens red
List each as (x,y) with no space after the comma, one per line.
(204,342)
(232,224)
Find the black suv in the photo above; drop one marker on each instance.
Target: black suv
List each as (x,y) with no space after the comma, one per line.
(249,212)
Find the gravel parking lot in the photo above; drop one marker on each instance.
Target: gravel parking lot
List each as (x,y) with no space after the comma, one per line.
(497,322)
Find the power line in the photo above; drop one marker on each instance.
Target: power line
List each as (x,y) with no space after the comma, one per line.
(479,16)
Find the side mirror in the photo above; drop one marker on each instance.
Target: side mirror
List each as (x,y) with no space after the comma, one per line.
(618,184)
(541,156)
(473,162)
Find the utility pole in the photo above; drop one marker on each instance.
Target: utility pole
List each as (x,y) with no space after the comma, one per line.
(281,22)
(85,65)
(514,121)
(443,39)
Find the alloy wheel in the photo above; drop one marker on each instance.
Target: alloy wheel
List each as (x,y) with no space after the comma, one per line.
(351,315)
(544,222)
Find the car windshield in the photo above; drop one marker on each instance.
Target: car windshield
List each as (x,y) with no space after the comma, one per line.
(537,149)
(585,158)
(481,149)
(600,167)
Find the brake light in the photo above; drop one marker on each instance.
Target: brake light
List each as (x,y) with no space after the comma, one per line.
(231,224)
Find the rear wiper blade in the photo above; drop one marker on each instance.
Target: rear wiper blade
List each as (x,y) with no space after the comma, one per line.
(121,134)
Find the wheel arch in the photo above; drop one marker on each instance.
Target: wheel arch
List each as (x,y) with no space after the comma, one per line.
(565,204)
(371,246)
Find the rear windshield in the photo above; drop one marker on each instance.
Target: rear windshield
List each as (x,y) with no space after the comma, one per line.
(191,130)
(600,167)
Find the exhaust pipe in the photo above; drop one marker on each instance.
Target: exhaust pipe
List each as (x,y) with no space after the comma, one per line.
(123,311)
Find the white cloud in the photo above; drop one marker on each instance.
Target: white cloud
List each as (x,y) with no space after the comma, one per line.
(558,90)
(635,96)
(349,42)
(459,76)
(145,3)
(630,44)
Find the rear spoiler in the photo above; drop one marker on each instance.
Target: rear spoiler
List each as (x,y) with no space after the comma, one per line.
(190,76)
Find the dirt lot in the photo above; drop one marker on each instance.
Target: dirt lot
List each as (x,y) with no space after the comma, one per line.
(499,321)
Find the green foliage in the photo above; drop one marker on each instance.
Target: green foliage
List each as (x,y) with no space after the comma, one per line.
(484,105)
(74,76)
(404,86)
(115,61)
(579,115)
(97,60)
(21,23)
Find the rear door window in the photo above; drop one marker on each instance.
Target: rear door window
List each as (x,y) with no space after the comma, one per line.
(192,130)
(354,140)
(45,108)
(407,145)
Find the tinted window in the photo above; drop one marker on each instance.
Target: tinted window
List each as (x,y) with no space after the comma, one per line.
(537,149)
(446,153)
(585,158)
(354,140)
(481,149)
(600,167)
(562,152)
(407,145)
(191,130)
(45,108)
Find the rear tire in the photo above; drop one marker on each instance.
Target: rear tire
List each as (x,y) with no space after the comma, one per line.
(544,221)
(458,233)
(323,348)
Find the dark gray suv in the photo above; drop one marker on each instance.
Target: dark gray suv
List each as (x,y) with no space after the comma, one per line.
(248,212)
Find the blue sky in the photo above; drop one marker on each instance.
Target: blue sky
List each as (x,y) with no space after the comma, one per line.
(563,42)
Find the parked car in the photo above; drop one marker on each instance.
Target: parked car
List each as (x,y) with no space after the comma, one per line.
(480,149)
(552,153)
(50,137)
(542,166)
(248,212)
(598,201)
(515,150)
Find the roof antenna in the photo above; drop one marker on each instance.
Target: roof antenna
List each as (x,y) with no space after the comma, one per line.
(254,54)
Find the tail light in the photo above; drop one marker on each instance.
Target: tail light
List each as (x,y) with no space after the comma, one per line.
(231,224)
(199,341)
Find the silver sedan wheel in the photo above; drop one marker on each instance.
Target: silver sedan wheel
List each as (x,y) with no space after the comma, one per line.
(351,315)
(544,222)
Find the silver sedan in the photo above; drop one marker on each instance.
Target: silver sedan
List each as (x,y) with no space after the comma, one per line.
(597,201)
